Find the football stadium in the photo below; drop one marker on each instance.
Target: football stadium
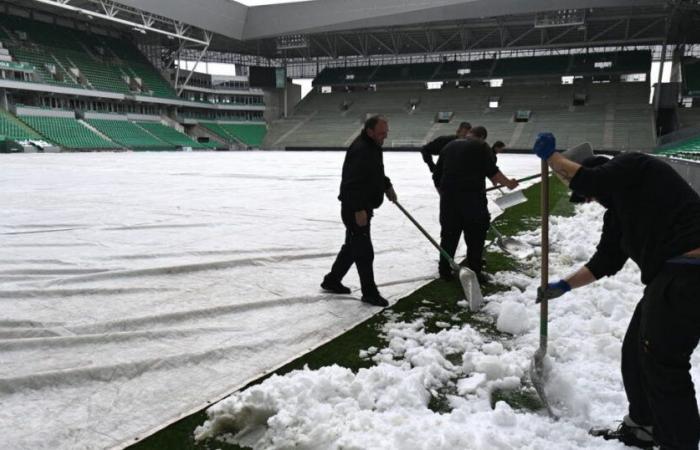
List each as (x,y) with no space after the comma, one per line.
(170,174)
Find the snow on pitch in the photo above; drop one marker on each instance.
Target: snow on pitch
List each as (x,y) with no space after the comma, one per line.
(138,287)
(386,406)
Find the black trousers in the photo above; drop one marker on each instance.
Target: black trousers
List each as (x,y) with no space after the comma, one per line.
(357,249)
(662,335)
(463,212)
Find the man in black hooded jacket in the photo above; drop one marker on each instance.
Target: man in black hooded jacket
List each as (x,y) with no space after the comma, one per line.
(434,147)
(362,190)
(653,218)
(459,176)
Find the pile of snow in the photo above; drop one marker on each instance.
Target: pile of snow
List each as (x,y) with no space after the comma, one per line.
(386,406)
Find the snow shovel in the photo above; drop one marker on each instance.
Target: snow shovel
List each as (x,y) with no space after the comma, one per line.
(508,199)
(537,370)
(467,277)
(511,245)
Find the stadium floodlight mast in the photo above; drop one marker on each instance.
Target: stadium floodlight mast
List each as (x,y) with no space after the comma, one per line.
(148,22)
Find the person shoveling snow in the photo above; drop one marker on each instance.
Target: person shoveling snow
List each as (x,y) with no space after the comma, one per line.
(653,218)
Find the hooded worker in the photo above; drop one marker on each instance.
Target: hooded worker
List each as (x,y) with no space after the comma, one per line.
(653,217)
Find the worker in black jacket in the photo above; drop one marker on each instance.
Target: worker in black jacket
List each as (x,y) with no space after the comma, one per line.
(433,147)
(652,217)
(362,190)
(459,176)
(496,148)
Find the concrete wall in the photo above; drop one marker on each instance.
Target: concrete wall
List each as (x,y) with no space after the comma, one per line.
(28,111)
(274,101)
(689,170)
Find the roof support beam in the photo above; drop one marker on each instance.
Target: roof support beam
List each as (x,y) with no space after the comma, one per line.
(649,26)
(448,40)
(562,34)
(483,38)
(199,58)
(417,44)
(349,44)
(608,29)
(464,36)
(112,9)
(520,37)
(380,42)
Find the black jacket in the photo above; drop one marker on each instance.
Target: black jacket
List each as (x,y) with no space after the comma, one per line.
(434,147)
(653,214)
(463,166)
(363,183)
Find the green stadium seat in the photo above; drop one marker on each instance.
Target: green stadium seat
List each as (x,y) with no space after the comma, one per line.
(686,149)
(174,137)
(129,135)
(15,129)
(250,134)
(67,132)
(106,63)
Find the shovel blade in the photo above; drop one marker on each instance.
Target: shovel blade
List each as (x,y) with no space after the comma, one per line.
(538,377)
(470,286)
(515,247)
(505,201)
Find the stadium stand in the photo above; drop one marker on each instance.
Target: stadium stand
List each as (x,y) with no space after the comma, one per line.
(608,63)
(691,76)
(129,135)
(75,58)
(15,129)
(172,136)
(251,135)
(405,72)
(67,132)
(684,149)
(615,116)
(542,65)
(464,70)
(340,75)
(689,117)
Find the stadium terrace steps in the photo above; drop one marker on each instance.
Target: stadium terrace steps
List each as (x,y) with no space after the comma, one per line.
(129,135)
(621,108)
(685,149)
(172,136)
(15,129)
(250,134)
(67,132)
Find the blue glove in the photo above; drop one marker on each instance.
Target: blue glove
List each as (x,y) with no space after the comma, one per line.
(553,290)
(544,145)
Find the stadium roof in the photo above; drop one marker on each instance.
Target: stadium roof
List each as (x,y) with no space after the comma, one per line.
(338,28)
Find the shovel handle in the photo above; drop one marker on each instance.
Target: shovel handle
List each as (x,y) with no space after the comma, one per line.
(444,254)
(544,267)
(531,177)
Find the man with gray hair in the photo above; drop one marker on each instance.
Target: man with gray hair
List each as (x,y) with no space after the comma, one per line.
(362,190)
(652,217)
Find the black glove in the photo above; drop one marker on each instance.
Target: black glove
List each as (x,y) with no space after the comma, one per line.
(553,290)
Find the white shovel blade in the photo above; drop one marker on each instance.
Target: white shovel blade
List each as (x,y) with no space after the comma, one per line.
(470,285)
(517,248)
(505,201)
